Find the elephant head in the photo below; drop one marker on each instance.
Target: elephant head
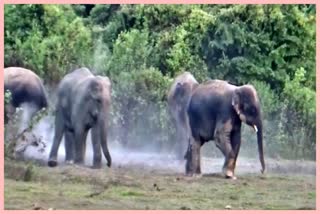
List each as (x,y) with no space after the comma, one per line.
(247,106)
(100,99)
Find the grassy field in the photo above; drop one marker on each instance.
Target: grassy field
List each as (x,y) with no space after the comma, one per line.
(30,186)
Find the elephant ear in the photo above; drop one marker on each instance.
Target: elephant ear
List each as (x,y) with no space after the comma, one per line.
(236,101)
(106,81)
(94,89)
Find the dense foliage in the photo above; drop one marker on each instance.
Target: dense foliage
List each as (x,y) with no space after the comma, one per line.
(143,47)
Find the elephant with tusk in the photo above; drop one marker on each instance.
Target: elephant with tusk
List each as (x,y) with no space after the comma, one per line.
(216,111)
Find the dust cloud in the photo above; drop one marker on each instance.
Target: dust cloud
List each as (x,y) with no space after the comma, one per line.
(26,111)
(148,155)
(158,161)
(121,157)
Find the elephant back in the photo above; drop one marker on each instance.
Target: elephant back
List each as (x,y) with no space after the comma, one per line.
(185,77)
(25,86)
(69,85)
(181,90)
(13,74)
(216,86)
(75,77)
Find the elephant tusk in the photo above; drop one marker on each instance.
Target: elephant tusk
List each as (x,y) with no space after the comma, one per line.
(255,128)
(242,118)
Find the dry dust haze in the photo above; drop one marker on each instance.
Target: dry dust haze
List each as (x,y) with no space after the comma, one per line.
(151,160)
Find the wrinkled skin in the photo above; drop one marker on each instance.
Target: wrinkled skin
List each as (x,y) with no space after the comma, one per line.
(216,111)
(26,88)
(178,98)
(83,104)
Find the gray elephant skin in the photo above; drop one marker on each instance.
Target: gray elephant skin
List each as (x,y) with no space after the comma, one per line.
(216,111)
(25,87)
(178,98)
(83,102)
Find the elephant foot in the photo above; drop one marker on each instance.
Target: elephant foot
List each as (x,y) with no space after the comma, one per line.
(231,177)
(109,164)
(197,175)
(79,162)
(198,170)
(192,174)
(228,169)
(193,177)
(69,162)
(228,173)
(96,166)
(189,174)
(52,163)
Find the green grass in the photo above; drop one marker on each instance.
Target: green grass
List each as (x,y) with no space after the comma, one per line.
(73,187)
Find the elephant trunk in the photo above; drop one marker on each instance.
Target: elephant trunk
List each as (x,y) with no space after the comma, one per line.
(106,153)
(260,146)
(104,142)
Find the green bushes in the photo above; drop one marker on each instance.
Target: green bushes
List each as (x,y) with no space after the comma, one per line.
(143,47)
(139,101)
(289,120)
(300,116)
(51,42)
(7,97)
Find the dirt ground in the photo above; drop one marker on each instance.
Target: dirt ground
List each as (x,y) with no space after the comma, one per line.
(156,184)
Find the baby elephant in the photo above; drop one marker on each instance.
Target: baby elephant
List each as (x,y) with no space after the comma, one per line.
(83,103)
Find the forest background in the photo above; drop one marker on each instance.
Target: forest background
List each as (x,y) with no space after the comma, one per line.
(143,47)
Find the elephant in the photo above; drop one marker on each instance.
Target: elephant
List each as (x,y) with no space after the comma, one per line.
(83,102)
(216,111)
(178,98)
(26,88)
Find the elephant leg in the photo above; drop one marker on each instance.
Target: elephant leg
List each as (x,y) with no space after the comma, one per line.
(229,164)
(226,149)
(235,143)
(59,130)
(69,146)
(196,146)
(80,141)
(193,164)
(222,137)
(95,139)
(181,142)
(197,159)
(84,146)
